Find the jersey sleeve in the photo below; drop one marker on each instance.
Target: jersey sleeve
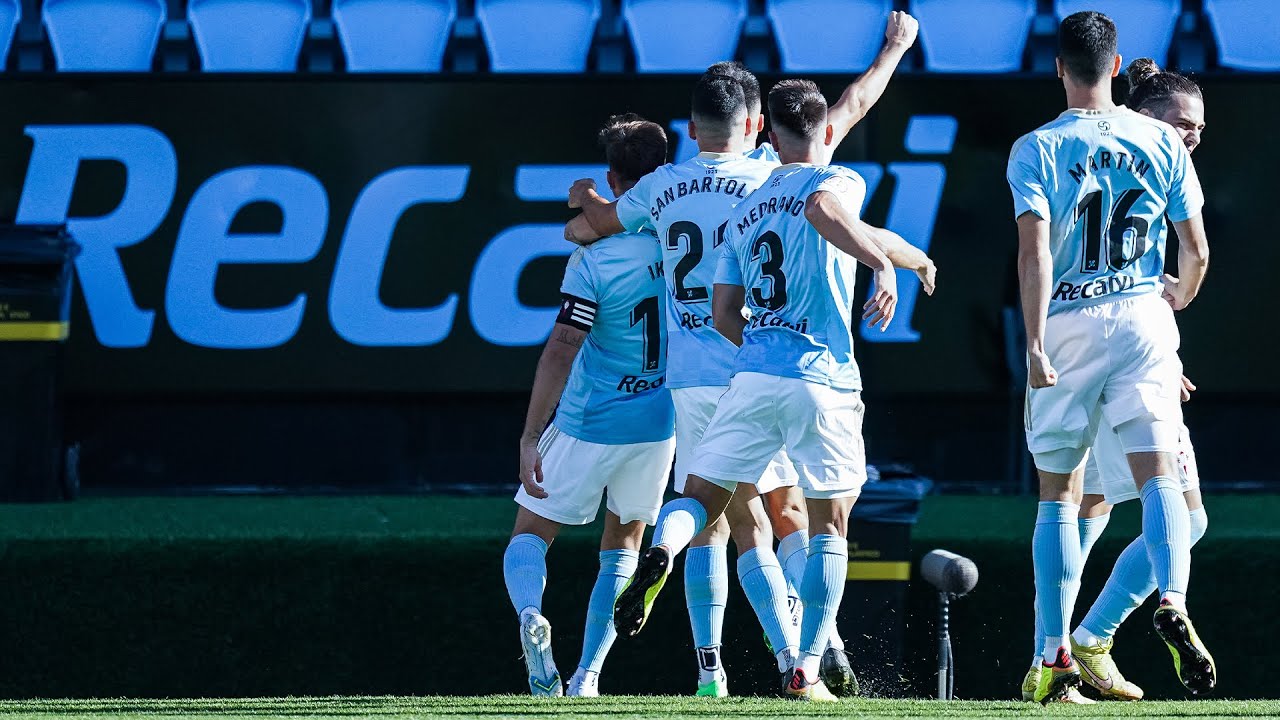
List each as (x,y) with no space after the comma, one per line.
(1026,179)
(578,300)
(728,271)
(846,185)
(633,206)
(1186,198)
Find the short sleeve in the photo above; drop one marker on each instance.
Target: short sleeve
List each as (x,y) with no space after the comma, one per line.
(1026,179)
(728,270)
(846,185)
(633,206)
(578,301)
(1186,198)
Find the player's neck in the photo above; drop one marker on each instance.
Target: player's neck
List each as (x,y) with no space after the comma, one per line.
(1090,98)
(721,146)
(812,154)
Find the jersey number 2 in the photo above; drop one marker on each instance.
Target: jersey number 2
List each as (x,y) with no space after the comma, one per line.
(645,313)
(1121,230)
(767,250)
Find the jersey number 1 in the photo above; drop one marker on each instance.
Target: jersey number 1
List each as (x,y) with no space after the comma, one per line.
(645,313)
(1121,230)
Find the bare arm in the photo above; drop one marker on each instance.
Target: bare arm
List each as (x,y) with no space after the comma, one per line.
(1193,263)
(1035,274)
(726,310)
(832,220)
(865,92)
(906,256)
(599,216)
(548,383)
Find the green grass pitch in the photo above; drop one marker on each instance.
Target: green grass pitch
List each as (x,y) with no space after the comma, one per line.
(510,706)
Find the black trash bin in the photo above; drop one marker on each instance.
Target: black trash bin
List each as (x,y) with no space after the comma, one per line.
(873,613)
(35,298)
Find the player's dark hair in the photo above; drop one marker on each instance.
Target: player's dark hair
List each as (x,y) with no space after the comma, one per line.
(718,99)
(747,79)
(1087,46)
(633,146)
(1151,88)
(798,107)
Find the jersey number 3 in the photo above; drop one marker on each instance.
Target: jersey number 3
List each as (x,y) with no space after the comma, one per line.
(767,250)
(1123,232)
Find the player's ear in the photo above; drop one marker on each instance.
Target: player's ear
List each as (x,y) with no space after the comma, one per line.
(1145,111)
(831,135)
(1115,69)
(1057,62)
(750,127)
(614,182)
(773,140)
(693,130)
(760,124)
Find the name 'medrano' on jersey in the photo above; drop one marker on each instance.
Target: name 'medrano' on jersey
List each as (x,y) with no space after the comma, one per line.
(799,287)
(688,204)
(616,393)
(1105,182)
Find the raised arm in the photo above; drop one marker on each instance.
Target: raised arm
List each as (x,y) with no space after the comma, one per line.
(1193,263)
(865,92)
(828,215)
(548,383)
(1035,275)
(726,310)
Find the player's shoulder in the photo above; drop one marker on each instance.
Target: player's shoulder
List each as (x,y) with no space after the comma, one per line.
(639,246)
(1156,130)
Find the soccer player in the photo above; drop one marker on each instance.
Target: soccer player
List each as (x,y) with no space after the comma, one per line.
(613,433)
(701,358)
(795,383)
(1178,101)
(1091,190)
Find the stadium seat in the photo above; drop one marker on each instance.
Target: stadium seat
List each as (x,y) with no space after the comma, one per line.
(828,35)
(394,35)
(1247,31)
(249,35)
(683,35)
(104,35)
(538,35)
(1145,27)
(982,36)
(10,14)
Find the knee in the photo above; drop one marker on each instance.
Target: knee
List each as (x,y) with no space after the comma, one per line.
(715,533)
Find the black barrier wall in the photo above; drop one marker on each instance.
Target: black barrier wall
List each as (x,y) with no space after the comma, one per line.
(258,240)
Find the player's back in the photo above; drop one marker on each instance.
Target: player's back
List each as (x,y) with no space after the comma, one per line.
(616,392)
(687,204)
(799,287)
(1104,181)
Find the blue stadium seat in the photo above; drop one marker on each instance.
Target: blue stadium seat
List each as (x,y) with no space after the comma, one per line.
(1247,31)
(10,14)
(1145,27)
(104,35)
(683,35)
(249,35)
(394,35)
(828,35)
(538,35)
(985,36)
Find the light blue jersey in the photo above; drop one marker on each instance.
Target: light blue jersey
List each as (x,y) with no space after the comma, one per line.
(799,287)
(765,152)
(688,204)
(616,393)
(1104,181)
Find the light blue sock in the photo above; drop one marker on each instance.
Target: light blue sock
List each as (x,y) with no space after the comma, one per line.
(1055,552)
(678,521)
(766,589)
(706,591)
(793,553)
(615,567)
(524,566)
(1131,582)
(1090,530)
(1166,528)
(821,591)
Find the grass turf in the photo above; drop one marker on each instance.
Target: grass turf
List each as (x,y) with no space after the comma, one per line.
(500,706)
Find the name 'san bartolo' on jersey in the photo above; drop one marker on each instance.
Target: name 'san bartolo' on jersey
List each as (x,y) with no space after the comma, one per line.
(616,393)
(1105,182)
(799,287)
(688,204)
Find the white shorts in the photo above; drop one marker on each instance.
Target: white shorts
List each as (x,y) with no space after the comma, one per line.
(1108,474)
(820,426)
(575,473)
(1116,362)
(694,408)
